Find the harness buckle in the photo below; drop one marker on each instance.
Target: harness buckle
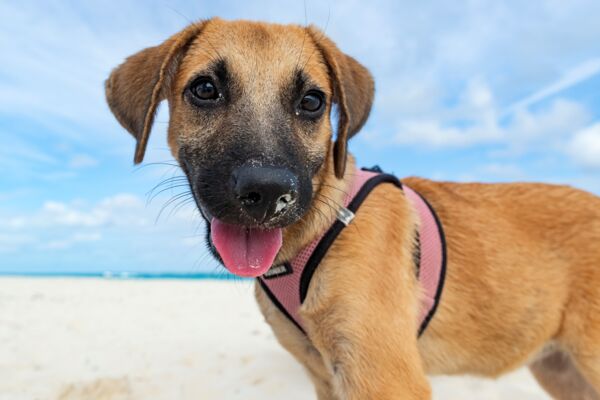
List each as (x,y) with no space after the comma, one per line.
(345,216)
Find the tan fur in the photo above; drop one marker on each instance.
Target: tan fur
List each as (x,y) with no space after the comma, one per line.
(523,268)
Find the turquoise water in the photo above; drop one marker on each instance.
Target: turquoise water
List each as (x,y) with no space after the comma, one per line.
(125,275)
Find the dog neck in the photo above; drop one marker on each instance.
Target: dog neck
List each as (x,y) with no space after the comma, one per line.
(328,198)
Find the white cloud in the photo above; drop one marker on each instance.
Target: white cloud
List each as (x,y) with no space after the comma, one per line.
(120,209)
(68,55)
(486,73)
(115,233)
(11,242)
(584,147)
(557,121)
(475,119)
(82,161)
(70,241)
(574,76)
(503,171)
(431,133)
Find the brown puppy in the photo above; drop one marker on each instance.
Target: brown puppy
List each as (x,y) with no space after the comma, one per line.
(251,102)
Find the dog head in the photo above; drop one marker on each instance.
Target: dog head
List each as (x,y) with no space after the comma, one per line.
(250,126)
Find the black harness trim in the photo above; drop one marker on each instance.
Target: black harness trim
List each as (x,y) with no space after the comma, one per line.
(440,288)
(337,227)
(275,301)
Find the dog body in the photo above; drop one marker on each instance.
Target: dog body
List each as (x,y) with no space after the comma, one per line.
(249,124)
(518,291)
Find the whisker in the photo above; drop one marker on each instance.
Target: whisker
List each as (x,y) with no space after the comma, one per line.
(331,209)
(336,188)
(330,199)
(181,204)
(303,38)
(171,201)
(158,163)
(178,13)
(320,38)
(152,196)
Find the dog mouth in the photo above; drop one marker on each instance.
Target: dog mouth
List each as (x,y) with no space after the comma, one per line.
(245,251)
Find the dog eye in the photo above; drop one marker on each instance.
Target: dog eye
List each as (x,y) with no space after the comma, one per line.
(312,102)
(204,89)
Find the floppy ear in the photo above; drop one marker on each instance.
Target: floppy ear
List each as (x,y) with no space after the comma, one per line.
(353,91)
(136,87)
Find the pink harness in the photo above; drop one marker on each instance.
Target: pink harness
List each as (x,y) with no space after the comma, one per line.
(287,285)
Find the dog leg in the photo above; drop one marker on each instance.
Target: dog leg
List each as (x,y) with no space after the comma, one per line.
(585,344)
(361,364)
(359,371)
(297,343)
(560,377)
(313,362)
(580,334)
(590,368)
(322,383)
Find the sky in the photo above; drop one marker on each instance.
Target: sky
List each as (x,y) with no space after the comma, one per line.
(465,91)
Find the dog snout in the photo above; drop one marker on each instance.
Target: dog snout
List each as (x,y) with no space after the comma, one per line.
(265,192)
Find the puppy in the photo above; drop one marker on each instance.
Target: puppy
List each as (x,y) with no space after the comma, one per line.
(250,125)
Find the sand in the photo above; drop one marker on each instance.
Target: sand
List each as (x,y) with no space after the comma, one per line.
(94,339)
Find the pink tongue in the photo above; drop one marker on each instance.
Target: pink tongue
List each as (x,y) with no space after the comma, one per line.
(246,252)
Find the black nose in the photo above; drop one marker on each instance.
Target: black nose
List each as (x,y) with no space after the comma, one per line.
(265,191)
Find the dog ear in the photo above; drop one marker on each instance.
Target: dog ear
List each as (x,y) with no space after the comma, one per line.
(353,91)
(136,87)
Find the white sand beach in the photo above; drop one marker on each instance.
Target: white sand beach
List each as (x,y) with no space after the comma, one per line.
(75,339)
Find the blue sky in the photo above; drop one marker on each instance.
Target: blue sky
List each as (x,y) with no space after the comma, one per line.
(466,90)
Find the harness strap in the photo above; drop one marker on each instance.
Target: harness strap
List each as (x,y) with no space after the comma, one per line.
(432,256)
(287,285)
